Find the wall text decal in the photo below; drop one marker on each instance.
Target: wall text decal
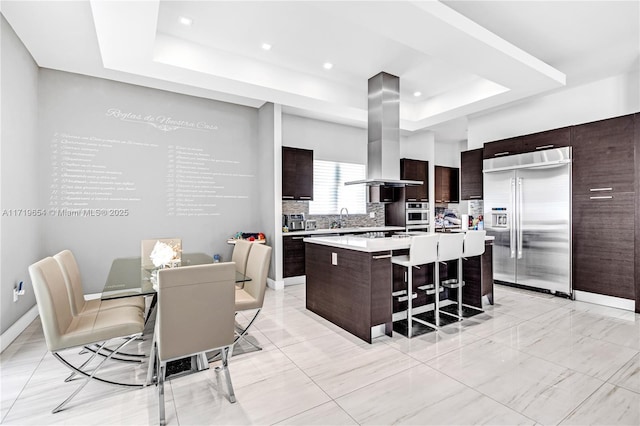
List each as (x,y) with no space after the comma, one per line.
(160,122)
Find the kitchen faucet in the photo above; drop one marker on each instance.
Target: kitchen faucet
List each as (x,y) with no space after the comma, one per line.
(345,209)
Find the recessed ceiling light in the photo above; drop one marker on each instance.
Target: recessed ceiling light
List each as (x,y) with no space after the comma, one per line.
(327,65)
(266,46)
(417,94)
(185,21)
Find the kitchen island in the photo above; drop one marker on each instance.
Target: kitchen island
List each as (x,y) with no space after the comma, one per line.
(294,253)
(350,282)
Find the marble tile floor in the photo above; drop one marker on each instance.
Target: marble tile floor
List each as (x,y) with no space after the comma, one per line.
(530,359)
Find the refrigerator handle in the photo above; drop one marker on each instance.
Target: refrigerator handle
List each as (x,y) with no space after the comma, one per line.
(519,218)
(512,220)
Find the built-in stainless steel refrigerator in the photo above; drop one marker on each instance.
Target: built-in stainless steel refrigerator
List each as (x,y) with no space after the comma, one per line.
(527,208)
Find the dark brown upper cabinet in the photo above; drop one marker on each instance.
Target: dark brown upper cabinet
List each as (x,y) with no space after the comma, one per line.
(555,138)
(297,174)
(446,187)
(603,156)
(471,179)
(415,170)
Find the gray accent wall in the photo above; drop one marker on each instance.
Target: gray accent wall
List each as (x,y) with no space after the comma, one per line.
(122,163)
(96,166)
(20,237)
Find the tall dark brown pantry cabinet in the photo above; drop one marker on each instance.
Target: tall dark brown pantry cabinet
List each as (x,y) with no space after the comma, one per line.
(604,207)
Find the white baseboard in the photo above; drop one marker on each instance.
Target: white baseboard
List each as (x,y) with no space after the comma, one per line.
(276,285)
(302,279)
(600,299)
(18,327)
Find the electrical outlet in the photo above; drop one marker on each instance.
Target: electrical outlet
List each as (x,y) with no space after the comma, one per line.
(18,290)
(372,215)
(334,258)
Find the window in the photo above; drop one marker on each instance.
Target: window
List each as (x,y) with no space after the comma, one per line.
(330,194)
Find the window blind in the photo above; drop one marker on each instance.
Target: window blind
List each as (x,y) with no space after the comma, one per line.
(330,194)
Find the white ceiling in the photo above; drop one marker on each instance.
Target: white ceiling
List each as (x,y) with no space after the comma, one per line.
(463,56)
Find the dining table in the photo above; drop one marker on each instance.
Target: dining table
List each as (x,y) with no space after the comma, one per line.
(130,277)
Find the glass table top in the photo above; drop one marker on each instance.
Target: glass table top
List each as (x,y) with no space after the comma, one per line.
(127,277)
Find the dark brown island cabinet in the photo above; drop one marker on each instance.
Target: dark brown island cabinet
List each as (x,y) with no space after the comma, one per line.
(350,288)
(297,174)
(360,289)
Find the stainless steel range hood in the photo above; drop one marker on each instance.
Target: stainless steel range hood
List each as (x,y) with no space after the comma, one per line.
(383,133)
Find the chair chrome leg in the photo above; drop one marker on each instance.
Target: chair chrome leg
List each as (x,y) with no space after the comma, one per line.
(92,375)
(225,366)
(409,301)
(136,357)
(152,368)
(97,352)
(162,368)
(84,364)
(246,329)
(202,363)
(460,285)
(436,273)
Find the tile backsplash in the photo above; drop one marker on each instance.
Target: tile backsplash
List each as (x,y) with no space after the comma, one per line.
(349,221)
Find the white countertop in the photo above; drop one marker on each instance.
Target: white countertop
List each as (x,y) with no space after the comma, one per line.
(359,243)
(345,230)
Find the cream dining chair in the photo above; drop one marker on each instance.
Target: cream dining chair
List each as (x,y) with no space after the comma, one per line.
(63,330)
(81,306)
(73,280)
(195,314)
(251,296)
(240,255)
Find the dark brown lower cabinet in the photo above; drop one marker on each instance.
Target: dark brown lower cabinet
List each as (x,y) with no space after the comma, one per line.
(293,256)
(355,293)
(603,244)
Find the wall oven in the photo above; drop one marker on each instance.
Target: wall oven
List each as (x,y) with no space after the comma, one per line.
(417,214)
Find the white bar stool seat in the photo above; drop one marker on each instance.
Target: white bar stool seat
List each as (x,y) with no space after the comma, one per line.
(450,247)
(423,250)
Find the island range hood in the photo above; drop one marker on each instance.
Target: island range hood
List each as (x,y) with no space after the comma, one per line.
(383,133)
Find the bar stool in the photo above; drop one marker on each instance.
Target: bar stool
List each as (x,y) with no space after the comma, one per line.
(473,246)
(450,247)
(423,250)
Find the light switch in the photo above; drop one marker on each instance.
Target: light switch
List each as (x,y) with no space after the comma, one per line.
(334,258)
